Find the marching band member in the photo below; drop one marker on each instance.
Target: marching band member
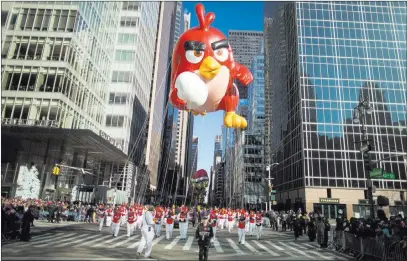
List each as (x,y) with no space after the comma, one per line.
(221,219)
(109,215)
(259,225)
(139,213)
(131,219)
(158,217)
(123,211)
(213,218)
(147,232)
(101,216)
(183,222)
(116,222)
(246,214)
(252,218)
(230,221)
(241,228)
(169,224)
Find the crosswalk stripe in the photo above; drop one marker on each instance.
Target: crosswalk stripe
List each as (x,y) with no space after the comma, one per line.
(298,251)
(123,242)
(308,245)
(92,242)
(234,246)
(188,244)
(155,242)
(275,246)
(52,239)
(135,244)
(265,248)
(108,241)
(173,243)
(82,238)
(320,255)
(217,246)
(246,244)
(296,245)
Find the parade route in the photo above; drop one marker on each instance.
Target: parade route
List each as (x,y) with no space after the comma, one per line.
(85,242)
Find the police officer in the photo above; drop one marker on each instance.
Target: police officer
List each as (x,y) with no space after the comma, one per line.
(204,235)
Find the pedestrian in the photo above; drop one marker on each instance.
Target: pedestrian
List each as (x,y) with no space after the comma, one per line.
(147,233)
(241,228)
(158,218)
(26,225)
(116,222)
(101,215)
(213,220)
(204,235)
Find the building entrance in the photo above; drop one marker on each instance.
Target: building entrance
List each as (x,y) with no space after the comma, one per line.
(330,210)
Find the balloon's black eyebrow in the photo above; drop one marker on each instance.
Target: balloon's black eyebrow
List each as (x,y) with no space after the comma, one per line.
(194,46)
(220,44)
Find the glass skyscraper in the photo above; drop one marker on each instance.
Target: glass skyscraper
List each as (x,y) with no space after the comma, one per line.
(322,58)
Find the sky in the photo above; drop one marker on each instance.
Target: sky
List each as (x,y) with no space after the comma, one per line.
(228,16)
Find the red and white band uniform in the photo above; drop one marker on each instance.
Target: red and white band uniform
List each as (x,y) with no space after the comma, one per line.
(117,216)
(131,222)
(252,219)
(123,211)
(241,229)
(183,220)
(230,221)
(158,220)
(109,216)
(147,234)
(139,213)
(221,220)
(101,217)
(213,220)
(169,224)
(247,216)
(259,225)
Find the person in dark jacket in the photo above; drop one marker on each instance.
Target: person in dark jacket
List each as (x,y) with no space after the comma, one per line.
(26,225)
(204,235)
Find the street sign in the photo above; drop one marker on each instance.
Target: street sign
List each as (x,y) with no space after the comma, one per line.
(389,175)
(376,173)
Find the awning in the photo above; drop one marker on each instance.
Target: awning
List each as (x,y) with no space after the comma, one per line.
(79,139)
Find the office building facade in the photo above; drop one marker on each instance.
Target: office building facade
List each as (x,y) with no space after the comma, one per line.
(322,59)
(56,67)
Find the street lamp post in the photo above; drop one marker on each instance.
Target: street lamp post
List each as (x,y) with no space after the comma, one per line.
(359,115)
(268,168)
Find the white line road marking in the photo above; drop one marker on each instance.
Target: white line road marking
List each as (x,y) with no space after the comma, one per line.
(71,259)
(234,246)
(308,245)
(155,242)
(298,251)
(123,242)
(82,238)
(92,242)
(108,241)
(265,248)
(188,244)
(135,244)
(296,245)
(246,244)
(52,238)
(320,255)
(275,246)
(217,246)
(173,243)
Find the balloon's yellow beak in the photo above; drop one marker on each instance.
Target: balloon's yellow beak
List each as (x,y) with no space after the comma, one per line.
(209,68)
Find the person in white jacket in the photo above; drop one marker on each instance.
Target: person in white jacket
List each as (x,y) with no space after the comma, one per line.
(183,220)
(169,224)
(147,233)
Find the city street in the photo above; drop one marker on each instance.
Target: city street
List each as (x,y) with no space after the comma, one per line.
(85,242)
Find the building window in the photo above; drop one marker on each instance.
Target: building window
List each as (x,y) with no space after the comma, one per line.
(118,98)
(128,21)
(126,39)
(114,121)
(125,55)
(130,6)
(121,76)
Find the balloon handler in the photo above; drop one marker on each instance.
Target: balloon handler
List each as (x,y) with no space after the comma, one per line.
(204,235)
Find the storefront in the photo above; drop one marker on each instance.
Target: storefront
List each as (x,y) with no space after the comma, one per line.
(362,210)
(329,207)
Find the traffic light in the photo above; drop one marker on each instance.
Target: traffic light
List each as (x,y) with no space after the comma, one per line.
(366,156)
(55,170)
(271,188)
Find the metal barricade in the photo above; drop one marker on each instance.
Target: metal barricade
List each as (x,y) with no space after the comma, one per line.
(353,245)
(374,247)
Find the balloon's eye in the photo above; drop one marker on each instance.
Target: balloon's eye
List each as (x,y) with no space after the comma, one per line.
(198,53)
(222,54)
(194,56)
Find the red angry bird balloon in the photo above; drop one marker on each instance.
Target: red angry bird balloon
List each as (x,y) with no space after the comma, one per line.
(203,70)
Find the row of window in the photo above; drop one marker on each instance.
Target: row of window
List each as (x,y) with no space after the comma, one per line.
(128,21)
(125,56)
(128,39)
(119,98)
(115,120)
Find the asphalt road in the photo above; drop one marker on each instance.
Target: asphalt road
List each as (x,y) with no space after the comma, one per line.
(84,242)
